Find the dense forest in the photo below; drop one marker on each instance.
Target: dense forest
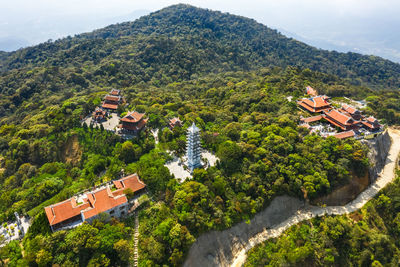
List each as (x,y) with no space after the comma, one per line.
(228,74)
(368,237)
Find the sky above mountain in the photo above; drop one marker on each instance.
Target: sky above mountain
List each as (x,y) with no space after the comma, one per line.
(365,26)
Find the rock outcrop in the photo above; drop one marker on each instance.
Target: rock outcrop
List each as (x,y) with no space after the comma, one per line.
(217,248)
(378,151)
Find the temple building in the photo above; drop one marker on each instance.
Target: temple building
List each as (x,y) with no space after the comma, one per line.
(109,198)
(371,124)
(174,122)
(98,115)
(193,148)
(112,100)
(115,92)
(133,122)
(341,120)
(349,110)
(315,104)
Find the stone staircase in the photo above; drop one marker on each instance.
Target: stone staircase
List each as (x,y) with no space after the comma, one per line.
(136,240)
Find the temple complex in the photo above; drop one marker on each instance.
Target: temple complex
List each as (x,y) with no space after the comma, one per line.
(343,122)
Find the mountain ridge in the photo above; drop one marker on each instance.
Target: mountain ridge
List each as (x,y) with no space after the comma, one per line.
(221,41)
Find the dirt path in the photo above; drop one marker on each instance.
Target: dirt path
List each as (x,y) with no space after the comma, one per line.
(385,177)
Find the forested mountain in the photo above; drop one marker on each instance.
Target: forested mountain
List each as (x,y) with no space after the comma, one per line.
(197,41)
(230,75)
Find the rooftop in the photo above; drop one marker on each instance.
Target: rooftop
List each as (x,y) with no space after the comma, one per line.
(94,202)
(133,117)
(344,135)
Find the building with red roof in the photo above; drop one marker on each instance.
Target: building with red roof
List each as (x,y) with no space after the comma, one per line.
(133,122)
(311,119)
(110,199)
(341,120)
(112,100)
(115,92)
(351,111)
(344,135)
(315,104)
(371,124)
(98,115)
(174,122)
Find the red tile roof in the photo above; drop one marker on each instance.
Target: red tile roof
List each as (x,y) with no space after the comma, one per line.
(344,135)
(95,202)
(311,119)
(103,200)
(175,120)
(315,103)
(132,181)
(349,109)
(109,106)
(114,92)
(339,117)
(64,210)
(112,98)
(132,117)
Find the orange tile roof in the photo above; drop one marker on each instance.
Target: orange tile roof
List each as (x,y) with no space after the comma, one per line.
(133,117)
(339,117)
(344,135)
(112,98)
(372,119)
(65,210)
(175,120)
(349,109)
(114,92)
(103,200)
(109,106)
(313,104)
(311,119)
(95,202)
(132,181)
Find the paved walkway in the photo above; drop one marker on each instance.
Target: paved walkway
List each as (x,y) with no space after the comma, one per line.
(385,177)
(12,231)
(110,124)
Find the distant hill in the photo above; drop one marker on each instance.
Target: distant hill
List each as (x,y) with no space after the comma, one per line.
(180,41)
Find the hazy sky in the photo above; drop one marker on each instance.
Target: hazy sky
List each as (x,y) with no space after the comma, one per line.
(368,26)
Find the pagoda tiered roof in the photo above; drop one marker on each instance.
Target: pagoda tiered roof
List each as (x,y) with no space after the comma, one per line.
(315,104)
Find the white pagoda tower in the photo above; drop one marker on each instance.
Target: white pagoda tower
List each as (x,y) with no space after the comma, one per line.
(193,148)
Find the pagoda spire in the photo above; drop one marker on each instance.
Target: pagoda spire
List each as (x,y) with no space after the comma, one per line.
(193,147)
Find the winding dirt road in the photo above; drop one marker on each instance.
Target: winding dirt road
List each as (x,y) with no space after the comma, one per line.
(385,177)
